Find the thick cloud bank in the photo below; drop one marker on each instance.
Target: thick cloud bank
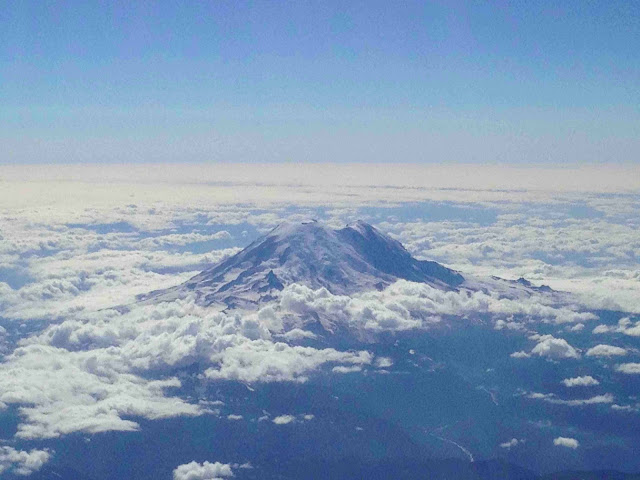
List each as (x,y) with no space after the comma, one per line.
(98,371)
(89,373)
(407,305)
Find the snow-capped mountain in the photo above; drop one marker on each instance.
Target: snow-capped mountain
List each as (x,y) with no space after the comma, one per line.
(344,261)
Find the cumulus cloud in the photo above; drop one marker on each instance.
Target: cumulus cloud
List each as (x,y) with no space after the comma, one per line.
(625,325)
(383,362)
(554,348)
(202,471)
(94,375)
(283,419)
(584,381)
(22,462)
(63,392)
(106,353)
(89,373)
(592,257)
(508,325)
(265,361)
(64,284)
(514,442)
(566,442)
(629,368)
(407,305)
(603,350)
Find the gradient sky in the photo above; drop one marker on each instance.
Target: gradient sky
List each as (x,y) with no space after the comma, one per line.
(500,82)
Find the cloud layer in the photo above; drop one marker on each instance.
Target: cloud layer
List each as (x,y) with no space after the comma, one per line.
(72,249)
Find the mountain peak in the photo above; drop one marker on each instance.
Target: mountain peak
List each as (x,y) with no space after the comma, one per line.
(355,258)
(287,229)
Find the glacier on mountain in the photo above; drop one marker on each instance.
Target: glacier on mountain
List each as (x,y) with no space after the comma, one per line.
(353,259)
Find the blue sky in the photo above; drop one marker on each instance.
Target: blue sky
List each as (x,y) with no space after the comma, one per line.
(517,82)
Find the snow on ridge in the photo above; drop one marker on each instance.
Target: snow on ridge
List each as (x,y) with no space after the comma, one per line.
(354,259)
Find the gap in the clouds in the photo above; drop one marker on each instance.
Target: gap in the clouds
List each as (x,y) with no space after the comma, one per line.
(16,277)
(563,211)
(565,258)
(17,329)
(9,420)
(104,228)
(240,235)
(42,252)
(583,211)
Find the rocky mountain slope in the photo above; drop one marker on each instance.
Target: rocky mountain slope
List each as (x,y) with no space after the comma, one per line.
(345,261)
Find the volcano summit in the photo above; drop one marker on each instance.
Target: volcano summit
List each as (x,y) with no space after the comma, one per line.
(345,261)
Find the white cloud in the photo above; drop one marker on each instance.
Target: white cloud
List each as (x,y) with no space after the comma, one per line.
(625,326)
(22,462)
(297,334)
(508,325)
(234,417)
(514,442)
(603,350)
(551,398)
(63,392)
(407,305)
(554,348)
(383,362)
(584,381)
(592,257)
(65,283)
(122,345)
(283,419)
(202,471)
(626,408)
(566,442)
(88,373)
(344,369)
(265,361)
(629,368)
